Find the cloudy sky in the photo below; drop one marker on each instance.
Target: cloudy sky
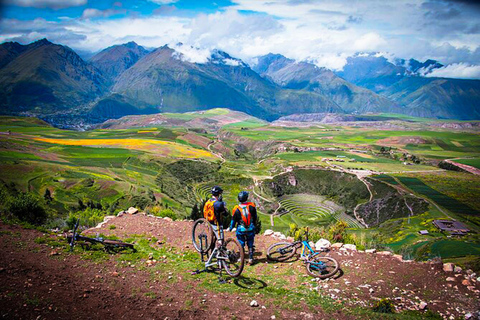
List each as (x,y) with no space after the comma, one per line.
(325,32)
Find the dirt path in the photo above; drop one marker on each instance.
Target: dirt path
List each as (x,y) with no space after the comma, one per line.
(209,147)
(465,167)
(39,282)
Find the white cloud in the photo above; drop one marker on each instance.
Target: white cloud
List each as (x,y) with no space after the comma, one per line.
(191,54)
(231,62)
(53,4)
(369,42)
(163,1)
(457,70)
(302,31)
(94,13)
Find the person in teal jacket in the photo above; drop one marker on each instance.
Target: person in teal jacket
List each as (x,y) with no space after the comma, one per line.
(244,216)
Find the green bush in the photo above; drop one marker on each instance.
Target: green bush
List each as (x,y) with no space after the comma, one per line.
(88,217)
(384,306)
(167,213)
(26,207)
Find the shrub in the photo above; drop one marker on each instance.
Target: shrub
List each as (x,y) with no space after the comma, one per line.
(338,231)
(167,213)
(27,208)
(88,217)
(384,306)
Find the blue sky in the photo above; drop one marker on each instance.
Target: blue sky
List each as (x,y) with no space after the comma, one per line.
(325,32)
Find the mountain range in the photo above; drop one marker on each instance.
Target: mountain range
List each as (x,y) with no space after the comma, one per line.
(51,81)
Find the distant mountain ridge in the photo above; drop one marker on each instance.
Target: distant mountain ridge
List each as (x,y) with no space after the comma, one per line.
(306,76)
(174,84)
(403,83)
(46,76)
(52,82)
(116,59)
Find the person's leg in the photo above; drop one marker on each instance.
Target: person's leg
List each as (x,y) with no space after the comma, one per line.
(250,243)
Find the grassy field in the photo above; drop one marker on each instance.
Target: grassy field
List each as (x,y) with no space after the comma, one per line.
(116,168)
(471,162)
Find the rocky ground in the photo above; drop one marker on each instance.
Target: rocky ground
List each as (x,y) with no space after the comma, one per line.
(40,279)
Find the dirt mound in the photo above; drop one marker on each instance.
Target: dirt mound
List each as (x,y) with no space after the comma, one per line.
(38,279)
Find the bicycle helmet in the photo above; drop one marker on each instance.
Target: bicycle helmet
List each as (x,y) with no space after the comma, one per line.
(216,191)
(243,196)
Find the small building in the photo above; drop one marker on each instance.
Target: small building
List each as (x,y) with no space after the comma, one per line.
(454,227)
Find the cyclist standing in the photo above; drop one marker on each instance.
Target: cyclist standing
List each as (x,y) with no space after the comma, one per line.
(213,211)
(245,216)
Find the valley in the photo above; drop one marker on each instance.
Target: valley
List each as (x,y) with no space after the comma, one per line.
(385,184)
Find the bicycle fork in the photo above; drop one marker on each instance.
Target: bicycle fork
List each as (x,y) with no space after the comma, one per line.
(203,245)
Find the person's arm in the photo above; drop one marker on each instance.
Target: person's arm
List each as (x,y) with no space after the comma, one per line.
(220,209)
(234,219)
(253,212)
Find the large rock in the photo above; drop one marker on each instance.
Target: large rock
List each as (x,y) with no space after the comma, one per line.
(268,232)
(371,250)
(448,267)
(337,245)
(399,257)
(385,253)
(349,246)
(132,210)
(107,218)
(322,244)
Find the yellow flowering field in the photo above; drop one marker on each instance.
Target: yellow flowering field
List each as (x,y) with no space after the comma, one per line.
(158,147)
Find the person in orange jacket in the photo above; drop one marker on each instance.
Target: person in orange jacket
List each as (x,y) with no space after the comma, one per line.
(244,215)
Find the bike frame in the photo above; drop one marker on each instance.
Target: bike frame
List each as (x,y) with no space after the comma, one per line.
(312,253)
(215,252)
(306,246)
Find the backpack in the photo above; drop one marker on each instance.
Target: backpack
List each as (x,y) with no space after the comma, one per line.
(209,211)
(245,213)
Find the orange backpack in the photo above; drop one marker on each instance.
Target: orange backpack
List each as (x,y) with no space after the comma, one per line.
(245,212)
(209,212)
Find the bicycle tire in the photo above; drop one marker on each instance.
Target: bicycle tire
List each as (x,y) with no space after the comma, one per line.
(328,267)
(202,227)
(281,251)
(116,244)
(234,265)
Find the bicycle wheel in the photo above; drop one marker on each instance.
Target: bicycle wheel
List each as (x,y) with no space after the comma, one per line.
(322,267)
(281,251)
(203,237)
(116,245)
(235,257)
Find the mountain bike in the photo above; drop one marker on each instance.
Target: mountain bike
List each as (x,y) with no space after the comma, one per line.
(215,250)
(110,246)
(317,266)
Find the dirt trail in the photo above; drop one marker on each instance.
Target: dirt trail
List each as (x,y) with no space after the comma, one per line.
(36,283)
(465,167)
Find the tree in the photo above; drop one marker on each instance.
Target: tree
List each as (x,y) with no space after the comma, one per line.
(195,213)
(47,196)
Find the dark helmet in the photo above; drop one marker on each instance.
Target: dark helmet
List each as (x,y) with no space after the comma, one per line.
(216,191)
(243,196)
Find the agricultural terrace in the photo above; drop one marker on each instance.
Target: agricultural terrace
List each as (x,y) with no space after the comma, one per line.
(314,210)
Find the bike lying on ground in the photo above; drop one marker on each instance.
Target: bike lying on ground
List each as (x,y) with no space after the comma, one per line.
(225,254)
(317,266)
(110,246)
